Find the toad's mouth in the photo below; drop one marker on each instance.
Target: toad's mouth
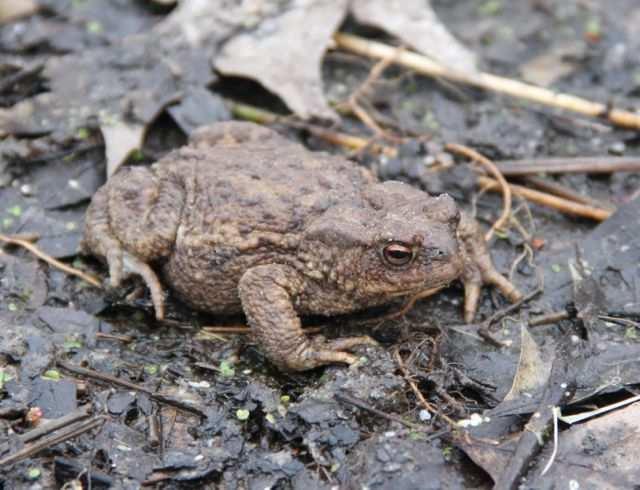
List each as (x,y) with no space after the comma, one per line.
(420,291)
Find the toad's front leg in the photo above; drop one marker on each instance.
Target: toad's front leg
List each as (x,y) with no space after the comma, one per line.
(479,268)
(268,293)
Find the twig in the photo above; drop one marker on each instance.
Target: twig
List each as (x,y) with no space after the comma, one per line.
(487,81)
(55,424)
(556,412)
(261,116)
(484,328)
(50,260)
(155,430)
(247,330)
(559,204)
(562,191)
(112,380)
(498,315)
(119,338)
(70,433)
(620,321)
(351,400)
(252,113)
(548,318)
(67,469)
(591,165)
(353,102)
(50,426)
(418,394)
(474,156)
(26,72)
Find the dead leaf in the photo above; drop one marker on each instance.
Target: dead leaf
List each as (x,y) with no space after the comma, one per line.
(14,9)
(533,371)
(415,23)
(123,87)
(131,75)
(120,139)
(601,453)
(284,53)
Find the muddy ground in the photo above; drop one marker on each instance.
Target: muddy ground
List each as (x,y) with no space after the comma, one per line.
(177,405)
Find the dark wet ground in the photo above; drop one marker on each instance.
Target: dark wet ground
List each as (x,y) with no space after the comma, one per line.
(226,418)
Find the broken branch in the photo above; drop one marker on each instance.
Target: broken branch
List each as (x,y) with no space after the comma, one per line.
(50,260)
(487,81)
(563,205)
(590,165)
(488,165)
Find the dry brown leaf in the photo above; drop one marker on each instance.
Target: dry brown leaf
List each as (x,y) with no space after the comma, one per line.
(533,371)
(601,453)
(285,52)
(120,140)
(11,10)
(415,23)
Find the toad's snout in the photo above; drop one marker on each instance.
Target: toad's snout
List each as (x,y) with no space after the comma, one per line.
(444,259)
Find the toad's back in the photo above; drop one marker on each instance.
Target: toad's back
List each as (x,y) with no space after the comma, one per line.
(237,193)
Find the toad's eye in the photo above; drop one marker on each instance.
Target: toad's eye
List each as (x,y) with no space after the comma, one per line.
(397,254)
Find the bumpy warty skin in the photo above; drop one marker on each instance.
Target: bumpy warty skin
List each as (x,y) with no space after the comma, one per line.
(242,219)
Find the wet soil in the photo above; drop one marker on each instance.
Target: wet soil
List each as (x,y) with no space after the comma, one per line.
(206,410)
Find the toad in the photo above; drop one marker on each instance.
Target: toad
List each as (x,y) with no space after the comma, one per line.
(243,220)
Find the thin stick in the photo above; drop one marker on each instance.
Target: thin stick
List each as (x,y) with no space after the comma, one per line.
(252,113)
(591,165)
(50,426)
(112,380)
(548,318)
(354,99)
(32,449)
(351,400)
(487,81)
(50,260)
(55,424)
(421,399)
(474,156)
(563,205)
(119,338)
(562,191)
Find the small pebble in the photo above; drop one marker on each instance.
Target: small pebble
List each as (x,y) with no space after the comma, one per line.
(393,168)
(410,149)
(617,148)
(424,415)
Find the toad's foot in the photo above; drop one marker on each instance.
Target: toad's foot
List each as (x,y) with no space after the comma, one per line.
(479,268)
(123,265)
(320,352)
(135,266)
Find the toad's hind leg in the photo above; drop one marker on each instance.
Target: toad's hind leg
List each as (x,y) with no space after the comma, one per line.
(132,221)
(268,294)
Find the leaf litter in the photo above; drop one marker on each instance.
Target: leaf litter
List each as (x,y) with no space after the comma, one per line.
(294,430)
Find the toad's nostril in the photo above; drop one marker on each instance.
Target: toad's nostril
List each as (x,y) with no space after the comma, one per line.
(438,253)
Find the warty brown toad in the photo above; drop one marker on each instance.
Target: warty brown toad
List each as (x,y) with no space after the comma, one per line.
(244,220)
